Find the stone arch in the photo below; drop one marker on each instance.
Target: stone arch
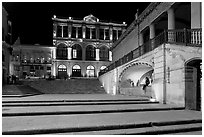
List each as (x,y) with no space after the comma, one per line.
(90,52)
(131,65)
(61,51)
(76,70)
(90,71)
(62,71)
(62,43)
(104,53)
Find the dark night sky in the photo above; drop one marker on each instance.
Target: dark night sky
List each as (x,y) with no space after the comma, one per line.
(32,21)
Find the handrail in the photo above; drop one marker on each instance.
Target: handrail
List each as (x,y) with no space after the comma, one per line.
(187,37)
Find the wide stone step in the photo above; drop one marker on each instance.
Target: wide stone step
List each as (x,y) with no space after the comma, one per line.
(33,111)
(76,100)
(152,130)
(75,103)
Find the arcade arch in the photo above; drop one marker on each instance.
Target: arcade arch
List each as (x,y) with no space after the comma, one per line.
(90,71)
(76,71)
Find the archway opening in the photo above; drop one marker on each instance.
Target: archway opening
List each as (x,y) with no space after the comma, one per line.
(193,79)
(76,71)
(62,71)
(90,71)
(132,81)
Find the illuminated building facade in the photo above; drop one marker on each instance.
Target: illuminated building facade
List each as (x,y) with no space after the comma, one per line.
(81,48)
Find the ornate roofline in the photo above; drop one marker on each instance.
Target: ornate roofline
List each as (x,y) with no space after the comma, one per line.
(70,19)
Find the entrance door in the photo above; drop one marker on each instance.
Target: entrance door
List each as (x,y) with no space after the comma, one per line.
(193,86)
(76,71)
(62,71)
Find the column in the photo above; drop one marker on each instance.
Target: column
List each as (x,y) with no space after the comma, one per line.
(171,19)
(69,52)
(97,54)
(62,31)
(171,24)
(54,53)
(54,69)
(104,34)
(196,15)
(111,33)
(76,32)
(152,35)
(84,31)
(54,30)
(90,33)
(69,30)
(110,56)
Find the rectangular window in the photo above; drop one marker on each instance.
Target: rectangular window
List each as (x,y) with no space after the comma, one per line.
(107,34)
(87,33)
(93,31)
(101,34)
(114,35)
(59,31)
(65,31)
(119,33)
(79,32)
(73,32)
(74,53)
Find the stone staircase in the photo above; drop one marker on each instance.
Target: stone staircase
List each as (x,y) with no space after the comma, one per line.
(97,117)
(69,86)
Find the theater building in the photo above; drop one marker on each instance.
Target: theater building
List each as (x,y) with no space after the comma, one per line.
(81,48)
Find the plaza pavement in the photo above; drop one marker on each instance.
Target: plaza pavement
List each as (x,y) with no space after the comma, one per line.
(95,119)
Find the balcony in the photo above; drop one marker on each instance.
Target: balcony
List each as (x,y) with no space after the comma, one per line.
(186,37)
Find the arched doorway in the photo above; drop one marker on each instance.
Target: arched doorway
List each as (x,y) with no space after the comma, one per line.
(76,71)
(90,52)
(76,52)
(90,71)
(193,76)
(62,71)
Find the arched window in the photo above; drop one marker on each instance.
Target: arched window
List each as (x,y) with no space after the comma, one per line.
(90,71)
(76,52)
(90,52)
(62,51)
(104,53)
(76,71)
(62,68)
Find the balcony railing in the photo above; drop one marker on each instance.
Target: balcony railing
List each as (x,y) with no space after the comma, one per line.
(187,37)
